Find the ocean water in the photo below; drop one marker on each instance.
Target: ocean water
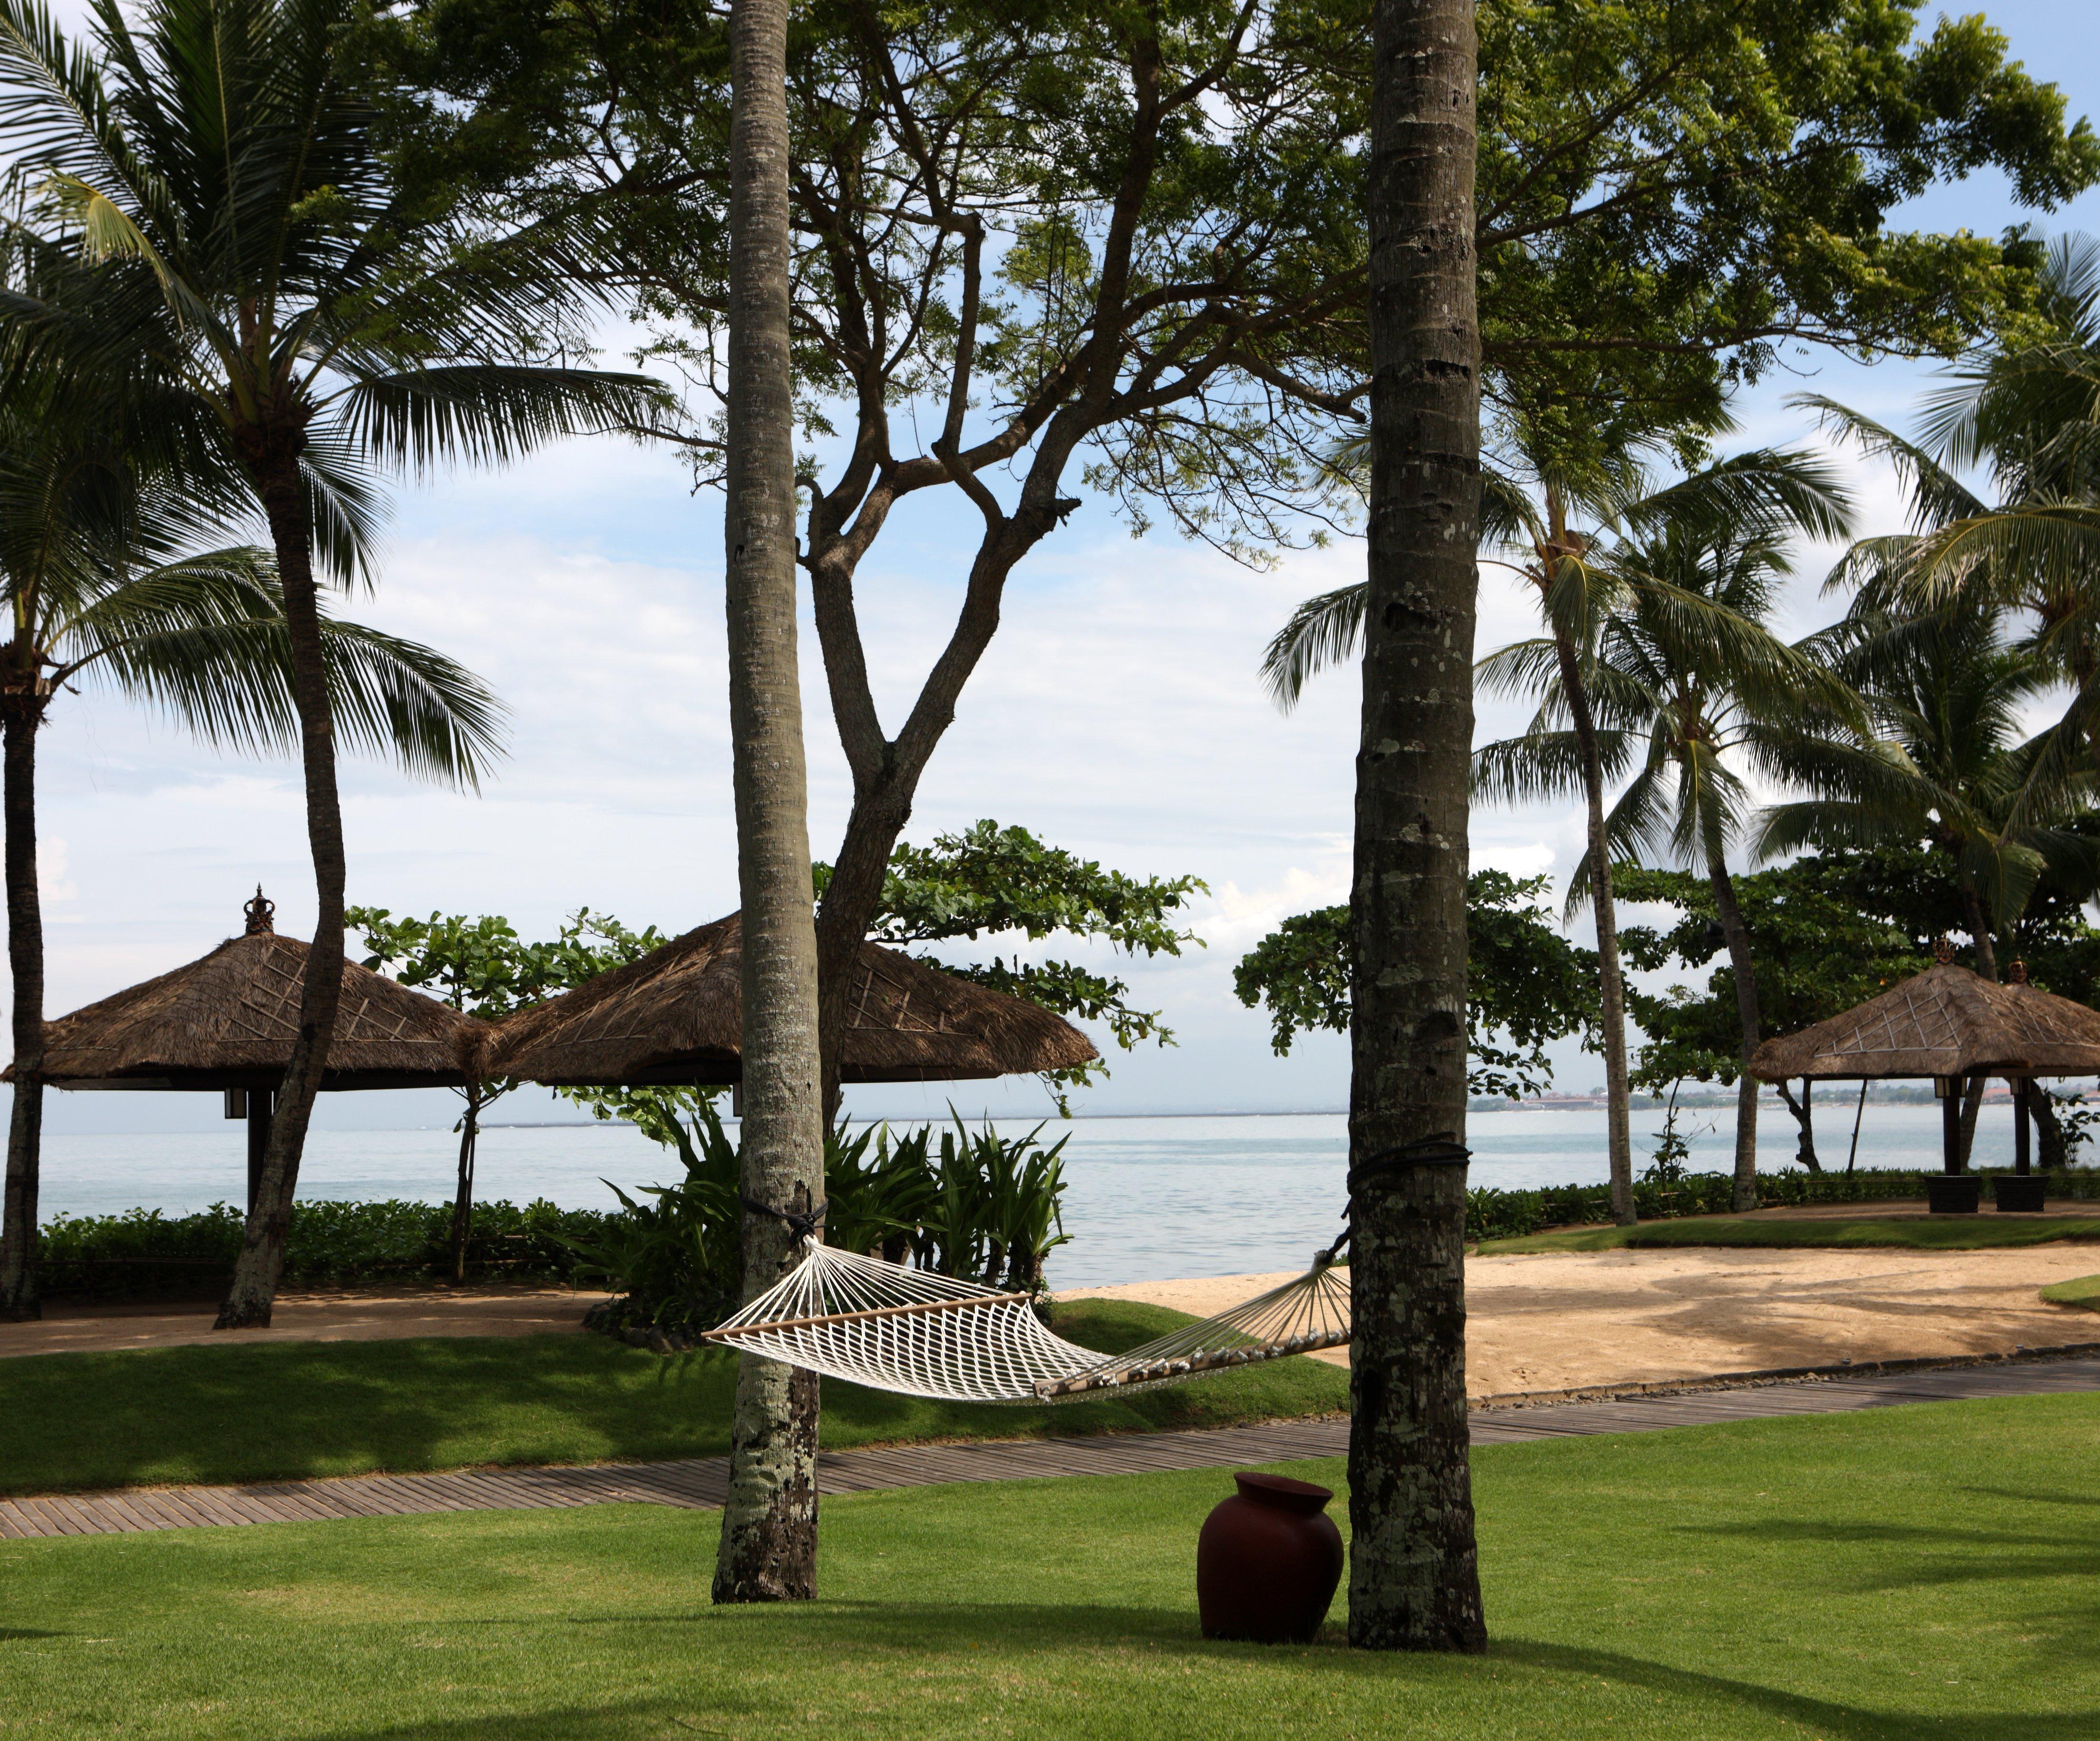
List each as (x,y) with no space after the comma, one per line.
(1148,1198)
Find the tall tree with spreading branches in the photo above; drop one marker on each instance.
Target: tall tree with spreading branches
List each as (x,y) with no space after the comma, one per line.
(1041,252)
(217,172)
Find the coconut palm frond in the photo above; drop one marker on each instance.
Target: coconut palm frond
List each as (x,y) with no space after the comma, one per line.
(1324,631)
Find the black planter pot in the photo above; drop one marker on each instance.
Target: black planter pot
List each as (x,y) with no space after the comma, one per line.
(2020,1194)
(1953,1193)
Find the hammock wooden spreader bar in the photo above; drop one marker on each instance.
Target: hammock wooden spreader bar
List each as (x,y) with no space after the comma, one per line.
(917,1334)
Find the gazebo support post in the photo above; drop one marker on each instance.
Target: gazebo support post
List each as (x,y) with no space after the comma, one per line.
(2022,1154)
(259,1140)
(1950,1122)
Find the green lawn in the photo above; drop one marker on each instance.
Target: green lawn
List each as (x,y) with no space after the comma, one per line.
(1983,1231)
(69,1421)
(2085,1290)
(1895,1576)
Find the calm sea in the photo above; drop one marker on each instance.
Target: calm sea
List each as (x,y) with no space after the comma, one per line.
(1148,1198)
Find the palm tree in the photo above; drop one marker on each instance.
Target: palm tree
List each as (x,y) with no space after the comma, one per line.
(104,585)
(768,1549)
(1680,706)
(1942,758)
(1414,1579)
(1531,509)
(217,173)
(2027,412)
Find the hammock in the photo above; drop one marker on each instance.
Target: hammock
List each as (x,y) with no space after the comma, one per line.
(919,1334)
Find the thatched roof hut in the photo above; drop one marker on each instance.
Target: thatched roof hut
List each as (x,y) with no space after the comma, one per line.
(676,1016)
(1945,1022)
(1952,1024)
(228,1021)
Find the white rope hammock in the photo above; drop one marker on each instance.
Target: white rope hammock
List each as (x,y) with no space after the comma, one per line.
(921,1334)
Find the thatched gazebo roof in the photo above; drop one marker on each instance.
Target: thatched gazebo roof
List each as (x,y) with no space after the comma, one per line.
(1945,1022)
(676,1016)
(228,1021)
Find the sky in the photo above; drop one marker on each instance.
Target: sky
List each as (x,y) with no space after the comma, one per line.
(1117,713)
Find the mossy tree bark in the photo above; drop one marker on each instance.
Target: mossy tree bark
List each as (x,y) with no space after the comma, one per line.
(769,1535)
(1414,1572)
(273,456)
(23,714)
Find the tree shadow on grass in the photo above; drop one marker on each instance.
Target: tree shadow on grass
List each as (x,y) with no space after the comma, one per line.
(1939,1555)
(1816,1717)
(931,1633)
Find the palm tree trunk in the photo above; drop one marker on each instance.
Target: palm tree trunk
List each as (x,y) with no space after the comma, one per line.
(255,1290)
(25,962)
(1738,934)
(1618,1110)
(1972,1105)
(2048,1132)
(1986,964)
(768,1535)
(463,1190)
(1413,1570)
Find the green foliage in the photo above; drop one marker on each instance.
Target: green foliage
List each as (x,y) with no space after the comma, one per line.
(1827,933)
(978,1204)
(1667,178)
(479,965)
(993,882)
(144,1252)
(1491,1213)
(1525,984)
(1913,1232)
(679,1259)
(228,224)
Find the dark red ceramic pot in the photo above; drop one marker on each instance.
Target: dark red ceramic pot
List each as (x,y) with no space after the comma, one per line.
(1268,1561)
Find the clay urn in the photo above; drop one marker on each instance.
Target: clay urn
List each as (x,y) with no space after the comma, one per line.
(1268,1561)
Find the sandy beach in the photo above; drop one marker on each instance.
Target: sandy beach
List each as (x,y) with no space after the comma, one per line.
(1562,1320)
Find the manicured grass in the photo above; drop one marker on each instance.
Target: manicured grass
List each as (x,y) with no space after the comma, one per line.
(2084,1290)
(1978,1232)
(269,1411)
(1893,1576)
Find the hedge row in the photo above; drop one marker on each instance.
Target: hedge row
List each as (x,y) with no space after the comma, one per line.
(144,1252)
(1491,1213)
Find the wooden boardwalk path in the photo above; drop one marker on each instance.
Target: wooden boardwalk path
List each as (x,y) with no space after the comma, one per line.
(700,1483)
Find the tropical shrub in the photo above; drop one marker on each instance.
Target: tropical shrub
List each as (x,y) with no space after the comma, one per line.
(143,1252)
(1492,1213)
(975,1204)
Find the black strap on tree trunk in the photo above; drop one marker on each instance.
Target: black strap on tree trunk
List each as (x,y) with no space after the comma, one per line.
(801,1223)
(1443,1150)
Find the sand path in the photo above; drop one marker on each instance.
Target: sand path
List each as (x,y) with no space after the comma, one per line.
(1560,1320)
(346,1316)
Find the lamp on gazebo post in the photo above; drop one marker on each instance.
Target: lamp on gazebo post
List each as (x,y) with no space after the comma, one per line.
(1954,1026)
(255,1104)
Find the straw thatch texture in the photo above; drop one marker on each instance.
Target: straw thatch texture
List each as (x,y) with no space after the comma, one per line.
(676,1016)
(228,1021)
(1945,1021)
